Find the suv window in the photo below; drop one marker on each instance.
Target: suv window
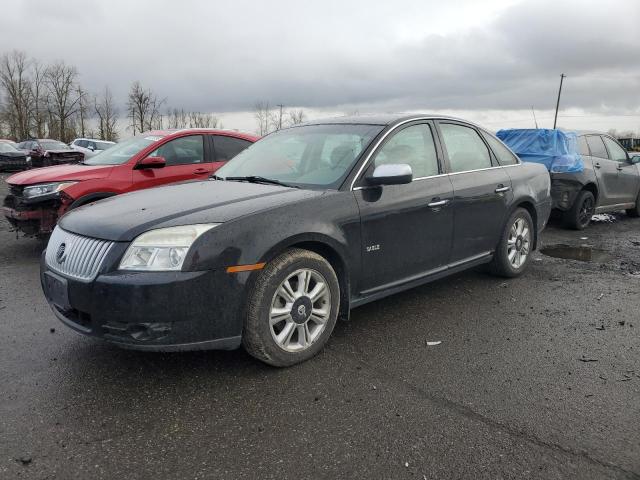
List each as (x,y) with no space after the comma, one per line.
(228,147)
(616,152)
(182,151)
(583,147)
(596,146)
(81,143)
(466,149)
(413,146)
(502,153)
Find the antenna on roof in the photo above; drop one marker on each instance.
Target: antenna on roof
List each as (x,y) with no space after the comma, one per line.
(534,117)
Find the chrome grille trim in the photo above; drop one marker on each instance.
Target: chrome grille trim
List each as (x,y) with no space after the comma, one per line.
(83,256)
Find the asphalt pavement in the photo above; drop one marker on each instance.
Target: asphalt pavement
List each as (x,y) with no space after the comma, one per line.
(536,377)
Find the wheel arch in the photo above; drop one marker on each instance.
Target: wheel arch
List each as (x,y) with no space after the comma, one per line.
(91,197)
(593,188)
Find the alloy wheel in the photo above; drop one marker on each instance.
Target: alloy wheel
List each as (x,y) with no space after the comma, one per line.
(518,243)
(300,310)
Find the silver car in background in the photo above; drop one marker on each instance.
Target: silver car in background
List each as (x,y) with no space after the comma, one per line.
(90,146)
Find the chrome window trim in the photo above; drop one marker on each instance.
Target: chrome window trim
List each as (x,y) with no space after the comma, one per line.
(419,119)
(380,140)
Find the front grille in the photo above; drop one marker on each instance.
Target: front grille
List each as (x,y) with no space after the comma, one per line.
(79,258)
(16,190)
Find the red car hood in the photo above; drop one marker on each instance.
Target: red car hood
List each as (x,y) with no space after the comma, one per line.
(60,173)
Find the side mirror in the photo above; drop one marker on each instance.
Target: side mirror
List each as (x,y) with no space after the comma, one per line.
(391,174)
(634,159)
(92,148)
(151,162)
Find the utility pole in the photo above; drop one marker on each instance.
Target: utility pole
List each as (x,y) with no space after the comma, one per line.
(555,119)
(534,116)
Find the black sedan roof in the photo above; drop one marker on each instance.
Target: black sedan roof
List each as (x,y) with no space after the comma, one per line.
(376,119)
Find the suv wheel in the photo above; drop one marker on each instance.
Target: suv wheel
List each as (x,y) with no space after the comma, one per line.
(291,309)
(514,250)
(635,211)
(579,215)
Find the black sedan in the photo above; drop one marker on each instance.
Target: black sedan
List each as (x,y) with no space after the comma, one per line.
(11,158)
(291,234)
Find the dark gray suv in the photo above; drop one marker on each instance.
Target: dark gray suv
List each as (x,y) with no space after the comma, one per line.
(609,182)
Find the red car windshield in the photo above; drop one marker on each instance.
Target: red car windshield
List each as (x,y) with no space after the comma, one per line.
(123,151)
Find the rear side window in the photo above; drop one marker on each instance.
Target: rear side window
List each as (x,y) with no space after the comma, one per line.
(616,152)
(228,147)
(583,147)
(596,146)
(412,146)
(502,153)
(466,149)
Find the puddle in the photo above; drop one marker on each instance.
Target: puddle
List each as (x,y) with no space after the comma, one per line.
(584,253)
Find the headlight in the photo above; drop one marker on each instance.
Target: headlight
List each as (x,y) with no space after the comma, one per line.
(163,249)
(45,189)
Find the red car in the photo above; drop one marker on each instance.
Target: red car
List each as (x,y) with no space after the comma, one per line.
(37,198)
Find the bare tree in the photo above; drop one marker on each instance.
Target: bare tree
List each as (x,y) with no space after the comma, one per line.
(203,120)
(263,116)
(296,117)
(83,109)
(60,80)
(143,108)
(39,98)
(17,93)
(107,114)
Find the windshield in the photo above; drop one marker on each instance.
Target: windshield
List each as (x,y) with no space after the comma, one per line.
(5,147)
(123,151)
(53,145)
(319,156)
(103,145)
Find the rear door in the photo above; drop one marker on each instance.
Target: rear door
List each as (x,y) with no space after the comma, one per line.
(606,171)
(225,148)
(627,183)
(481,191)
(187,158)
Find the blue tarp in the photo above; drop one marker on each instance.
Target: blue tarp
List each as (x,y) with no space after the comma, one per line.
(555,149)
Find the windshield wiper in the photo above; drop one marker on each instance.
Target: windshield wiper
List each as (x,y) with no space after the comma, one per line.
(258,179)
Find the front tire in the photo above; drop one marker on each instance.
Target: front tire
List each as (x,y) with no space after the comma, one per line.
(514,250)
(579,215)
(291,309)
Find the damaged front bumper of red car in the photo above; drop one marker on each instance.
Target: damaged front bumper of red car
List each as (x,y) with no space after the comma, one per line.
(34,217)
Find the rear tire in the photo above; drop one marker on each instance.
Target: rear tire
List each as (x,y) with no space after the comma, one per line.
(291,309)
(579,215)
(516,243)
(635,212)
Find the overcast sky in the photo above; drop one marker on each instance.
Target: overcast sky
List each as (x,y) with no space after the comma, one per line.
(488,60)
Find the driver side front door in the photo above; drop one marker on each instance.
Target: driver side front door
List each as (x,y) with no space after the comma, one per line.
(406,230)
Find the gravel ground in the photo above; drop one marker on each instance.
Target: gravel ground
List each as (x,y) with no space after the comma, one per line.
(537,377)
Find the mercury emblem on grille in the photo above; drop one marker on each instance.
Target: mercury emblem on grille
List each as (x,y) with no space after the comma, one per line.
(60,257)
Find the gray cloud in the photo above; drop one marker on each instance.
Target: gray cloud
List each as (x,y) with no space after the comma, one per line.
(215,56)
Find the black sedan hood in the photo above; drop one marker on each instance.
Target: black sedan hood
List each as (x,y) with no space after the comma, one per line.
(124,217)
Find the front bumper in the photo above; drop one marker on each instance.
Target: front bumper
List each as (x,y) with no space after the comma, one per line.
(156,311)
(11,165)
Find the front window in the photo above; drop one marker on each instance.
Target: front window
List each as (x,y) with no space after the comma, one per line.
(53,145)
(314,156)
(123,151)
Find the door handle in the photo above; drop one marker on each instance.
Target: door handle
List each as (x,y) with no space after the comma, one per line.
(501,188)
(597,165)
(199,171)
(436,202)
